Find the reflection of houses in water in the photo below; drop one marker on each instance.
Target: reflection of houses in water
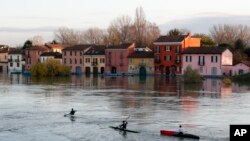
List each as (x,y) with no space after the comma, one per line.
(140,83)
(117,81)
(168,85)
(189,104)
(88,81)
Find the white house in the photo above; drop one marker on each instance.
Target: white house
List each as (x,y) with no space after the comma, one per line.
(15,60)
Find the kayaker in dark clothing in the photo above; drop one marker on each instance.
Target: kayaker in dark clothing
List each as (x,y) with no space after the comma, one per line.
(180,130)
(124,124)
(72,112)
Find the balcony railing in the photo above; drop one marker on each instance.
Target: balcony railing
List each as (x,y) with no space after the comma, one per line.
(94,63)
(157,61)
(142,64)
(201,63)
(177,61)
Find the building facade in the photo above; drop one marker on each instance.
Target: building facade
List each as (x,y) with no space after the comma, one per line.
(32,56)
(4,59)
(208,61)
(51,55)
(16,61)
(94,60)
(167,53)
(72,56)
(116,62)
(141,61)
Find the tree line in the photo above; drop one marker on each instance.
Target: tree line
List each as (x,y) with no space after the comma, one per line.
(125,29)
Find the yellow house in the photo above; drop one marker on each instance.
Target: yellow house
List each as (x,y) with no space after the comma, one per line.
(141,62)
(94,60)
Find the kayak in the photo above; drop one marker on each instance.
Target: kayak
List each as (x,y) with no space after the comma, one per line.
(176,134)
(121,129)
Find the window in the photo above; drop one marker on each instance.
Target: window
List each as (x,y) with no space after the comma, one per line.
(188,58)
(75,61)
(75,53)
(214,59)
(18,65)
(70,53)
(177,49)
(80,53)
(157,49)
(102,60)
(64,53)
(81,61)
(178,69)
(64,60)
(201,69)
(70,61)
(167,58)
(167,48)
(11,64)
(87,60)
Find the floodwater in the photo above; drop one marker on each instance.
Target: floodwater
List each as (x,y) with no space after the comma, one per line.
(33,109)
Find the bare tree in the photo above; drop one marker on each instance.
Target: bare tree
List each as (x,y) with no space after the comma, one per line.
(152,33)
(69,36)
(94,36)
(139,24)
(230,33)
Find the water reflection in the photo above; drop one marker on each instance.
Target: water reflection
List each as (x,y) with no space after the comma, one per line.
(159,86)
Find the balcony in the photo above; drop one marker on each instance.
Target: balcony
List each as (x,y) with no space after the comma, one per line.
(142,64)
(201,63)
(157,61)
(177,61)
(94,63)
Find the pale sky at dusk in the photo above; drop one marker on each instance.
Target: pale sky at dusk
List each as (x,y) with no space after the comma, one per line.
(23,19)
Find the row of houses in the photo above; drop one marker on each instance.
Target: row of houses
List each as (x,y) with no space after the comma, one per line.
(170,56)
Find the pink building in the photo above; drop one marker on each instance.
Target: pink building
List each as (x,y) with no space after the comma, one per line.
(32,55)
(208,61)
(72,56)
(116,62)
(240,68)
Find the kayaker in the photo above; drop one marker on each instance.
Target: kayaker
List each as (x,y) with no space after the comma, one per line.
(180,130)
(72,112)
(124,124)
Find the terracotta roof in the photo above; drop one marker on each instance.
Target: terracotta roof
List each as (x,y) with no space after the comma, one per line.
(4,50)
(96,50)
(204,50)
(15,51)
(122,46)
(40,48)
(176,38)
(77,47)
(247,63)
(142,54)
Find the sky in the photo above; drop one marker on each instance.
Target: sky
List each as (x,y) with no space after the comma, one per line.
(23,19)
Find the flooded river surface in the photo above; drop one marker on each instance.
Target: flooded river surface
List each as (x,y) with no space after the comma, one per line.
(33,109)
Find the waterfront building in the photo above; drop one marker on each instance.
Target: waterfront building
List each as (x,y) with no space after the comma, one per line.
(167,53)
(72,56)
(209,61)
(141,61)
(16,61)
(32,55)
(94,60)
(116,61)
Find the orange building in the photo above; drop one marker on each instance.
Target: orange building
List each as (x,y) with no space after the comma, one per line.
(167,53)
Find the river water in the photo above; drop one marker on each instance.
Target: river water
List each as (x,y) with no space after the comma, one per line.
(33,109)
